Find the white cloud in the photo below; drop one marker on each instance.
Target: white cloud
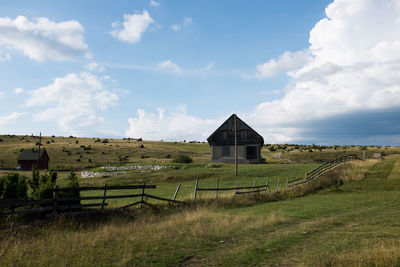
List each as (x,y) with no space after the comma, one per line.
(134,26)
(1,95)
(176,27)
(351,68)
(18,91)
(352,65)
(11,117)
(93,66)
(209,66)
(72,101)
(42,39)
(287,62)
(154,3)
(187,21)
(174,125)
(168,65)
(4,57)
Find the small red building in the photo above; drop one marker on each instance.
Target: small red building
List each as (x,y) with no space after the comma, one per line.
(30,157)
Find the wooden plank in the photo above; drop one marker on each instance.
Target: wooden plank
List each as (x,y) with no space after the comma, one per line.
(176,191)
(97,197)
(6,203)
(250,192)
(117,187)
(230,188)
(129,205)
(33,210)
(216,192)
(161,198)
(196,188)
(104,195)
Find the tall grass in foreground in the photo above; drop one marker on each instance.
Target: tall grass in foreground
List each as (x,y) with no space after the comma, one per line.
(370,254)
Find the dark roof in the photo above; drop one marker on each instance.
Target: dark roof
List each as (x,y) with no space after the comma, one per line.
(229,125)
(31,154)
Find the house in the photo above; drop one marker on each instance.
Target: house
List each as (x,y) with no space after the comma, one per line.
(29,158)
(222,142)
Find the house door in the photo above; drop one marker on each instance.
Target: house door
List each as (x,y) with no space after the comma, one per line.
(251,152)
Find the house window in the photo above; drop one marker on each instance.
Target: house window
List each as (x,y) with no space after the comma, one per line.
(252,152)
(225,151)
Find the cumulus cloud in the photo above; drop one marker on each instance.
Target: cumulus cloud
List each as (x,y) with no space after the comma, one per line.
(176,27)
(11,117)
(351,68)
(173,125)
(93,66)
(18,91)
(72,101)
(154,3)
(209,66)
(4,57)
(186,22)
(134,26)
(42,39)
(168,65)
(289,61)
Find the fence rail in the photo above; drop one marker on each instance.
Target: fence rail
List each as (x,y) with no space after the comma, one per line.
(69,203)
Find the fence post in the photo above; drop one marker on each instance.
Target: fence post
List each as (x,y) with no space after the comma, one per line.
(176,191)
(141,200)
(104,196)
(266,185)
(287,181)
(254,184)
(195,188)
(216,194)
(277,186)
(55,199)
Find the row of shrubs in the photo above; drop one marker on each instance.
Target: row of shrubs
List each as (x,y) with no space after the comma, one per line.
(16,186)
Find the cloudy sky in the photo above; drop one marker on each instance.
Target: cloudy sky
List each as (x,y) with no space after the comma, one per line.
(323,71)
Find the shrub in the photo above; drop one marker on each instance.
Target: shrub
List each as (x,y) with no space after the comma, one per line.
(272,149)
(73,191)
(141,146)
(14,187)
(42,186)
(105,141)
(182,159)
(76,142)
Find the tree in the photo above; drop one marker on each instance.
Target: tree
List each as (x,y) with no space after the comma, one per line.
(14,187)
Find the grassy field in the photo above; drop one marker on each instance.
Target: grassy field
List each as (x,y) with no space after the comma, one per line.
(322,224)
(355,224)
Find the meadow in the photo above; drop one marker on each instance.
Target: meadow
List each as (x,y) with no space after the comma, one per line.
(326,223)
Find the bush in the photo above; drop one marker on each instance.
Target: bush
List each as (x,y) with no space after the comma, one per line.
(105,141)
(13,186)
(73,185)
(182,159)
(42,186)
(141,146)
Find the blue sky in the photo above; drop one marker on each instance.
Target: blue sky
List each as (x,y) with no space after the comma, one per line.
(297,71)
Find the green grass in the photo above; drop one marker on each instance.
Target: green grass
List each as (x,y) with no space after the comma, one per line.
(356,224)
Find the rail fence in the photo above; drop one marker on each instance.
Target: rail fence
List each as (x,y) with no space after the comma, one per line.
(61,203)
(316,173)
(72,204)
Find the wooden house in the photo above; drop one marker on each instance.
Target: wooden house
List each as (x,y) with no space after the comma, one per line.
(30,157)
(248,141)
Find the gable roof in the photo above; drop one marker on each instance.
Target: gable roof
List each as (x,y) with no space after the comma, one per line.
(31,154)
(229,125)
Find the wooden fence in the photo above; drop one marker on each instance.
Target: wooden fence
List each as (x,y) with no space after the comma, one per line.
(316,173)
(253,189)
(67,204)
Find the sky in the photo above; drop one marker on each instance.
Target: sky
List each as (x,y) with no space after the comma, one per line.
(297,71)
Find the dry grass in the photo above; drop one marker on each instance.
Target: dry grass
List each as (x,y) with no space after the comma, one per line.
(370,254)
(135,239)
(355,170)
